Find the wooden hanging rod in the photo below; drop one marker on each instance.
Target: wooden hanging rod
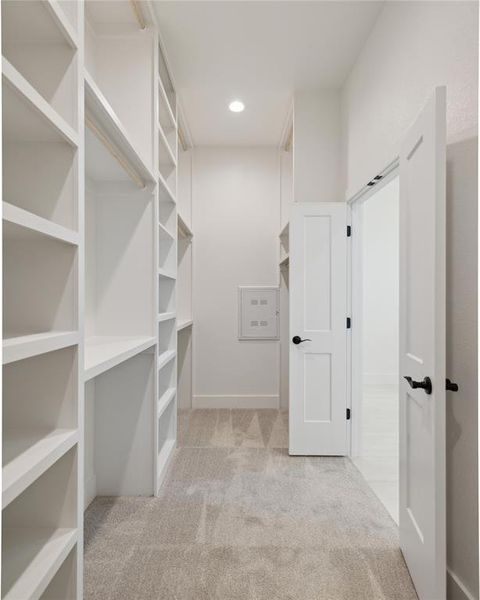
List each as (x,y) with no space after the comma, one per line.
(137,9)
(134,176)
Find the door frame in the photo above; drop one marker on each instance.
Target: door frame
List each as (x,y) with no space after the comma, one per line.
(354,301)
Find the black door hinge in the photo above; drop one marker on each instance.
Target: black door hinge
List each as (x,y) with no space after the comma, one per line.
(348,414)
(349,323)
(349,230)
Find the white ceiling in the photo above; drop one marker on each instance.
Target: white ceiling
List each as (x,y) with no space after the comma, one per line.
(259,52)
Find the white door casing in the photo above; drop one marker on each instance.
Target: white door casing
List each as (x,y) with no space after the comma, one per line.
(422,349)
(318,312)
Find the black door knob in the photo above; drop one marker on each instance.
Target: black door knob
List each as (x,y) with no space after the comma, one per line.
(298,340)
(451,386)
(426,384)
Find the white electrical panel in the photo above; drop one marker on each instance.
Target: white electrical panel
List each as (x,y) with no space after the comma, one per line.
(258,310)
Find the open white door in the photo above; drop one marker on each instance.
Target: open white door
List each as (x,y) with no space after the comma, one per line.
(422,350)
(318,337)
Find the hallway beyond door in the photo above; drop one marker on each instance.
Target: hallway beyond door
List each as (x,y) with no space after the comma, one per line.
(239,519)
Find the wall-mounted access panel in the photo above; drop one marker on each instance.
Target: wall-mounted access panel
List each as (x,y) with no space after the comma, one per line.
(258,312)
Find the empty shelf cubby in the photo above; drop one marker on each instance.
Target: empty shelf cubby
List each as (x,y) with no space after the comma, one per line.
(40,530)
(39,161)
(40,283)
(40,416)
(166,294)
(167,212)
(40,44)
(167,335)
(63,584)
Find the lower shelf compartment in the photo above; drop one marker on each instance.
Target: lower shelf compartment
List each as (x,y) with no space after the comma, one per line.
(29,453)
(165,400)
(164,457)
(104,352)
(32,556)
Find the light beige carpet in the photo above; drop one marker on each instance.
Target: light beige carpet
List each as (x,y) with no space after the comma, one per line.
(238,519)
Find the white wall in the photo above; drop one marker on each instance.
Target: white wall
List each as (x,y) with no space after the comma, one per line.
(316,146)
(413,47)
(236,212)
(380,274)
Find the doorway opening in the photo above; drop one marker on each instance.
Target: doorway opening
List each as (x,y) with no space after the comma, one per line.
(376,294)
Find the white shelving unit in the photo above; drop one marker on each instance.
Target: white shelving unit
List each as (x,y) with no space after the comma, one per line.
(120,252)
(166,158)
(42,92)
(185,329)
(286,192)
(90,153)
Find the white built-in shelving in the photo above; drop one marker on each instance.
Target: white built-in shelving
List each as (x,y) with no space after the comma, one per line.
(184,324)
(284,238)
(184,277)
(90,158)
(42,92)
(166,165)
(121,238)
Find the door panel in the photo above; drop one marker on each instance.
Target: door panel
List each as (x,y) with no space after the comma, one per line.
(422,349)
(318,314)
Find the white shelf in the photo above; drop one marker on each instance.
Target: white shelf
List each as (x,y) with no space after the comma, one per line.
(29,453)
(165,400)
(26,220)
(106,120)
(167,152)
(164,99)
(166,274)
(165,357)
(183,229)
(285,231)
(166,189)
(28,116)
(104,352)
(184,323)
(31,558)
(164,457)
(164,233)
(25,346)
(165,316)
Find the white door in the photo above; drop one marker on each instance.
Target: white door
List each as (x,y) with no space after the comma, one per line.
(422,350)
(318,335)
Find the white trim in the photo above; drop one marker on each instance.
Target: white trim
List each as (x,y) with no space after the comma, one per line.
(377,182)
(236,401)
(380,378)
(355,370)
(462,592)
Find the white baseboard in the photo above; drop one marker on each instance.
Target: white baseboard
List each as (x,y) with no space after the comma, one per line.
(380,378)
(234,401)
(456,589)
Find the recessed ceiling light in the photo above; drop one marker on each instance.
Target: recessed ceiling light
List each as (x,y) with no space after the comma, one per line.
(236,106)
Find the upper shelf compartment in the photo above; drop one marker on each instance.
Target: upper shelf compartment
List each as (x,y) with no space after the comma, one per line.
(40,42)
(167,93)
(112,155)
(37,141)
(119,56)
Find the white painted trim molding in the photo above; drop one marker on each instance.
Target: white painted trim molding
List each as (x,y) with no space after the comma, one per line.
(380,378)
(456,589)
(235,401)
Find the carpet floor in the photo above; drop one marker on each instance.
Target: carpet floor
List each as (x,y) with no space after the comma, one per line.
(239,519)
